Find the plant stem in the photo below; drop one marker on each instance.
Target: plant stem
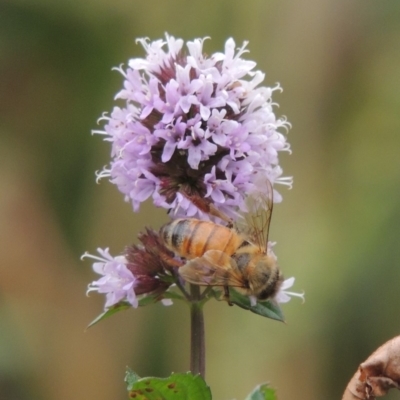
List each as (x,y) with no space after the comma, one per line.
(197,342)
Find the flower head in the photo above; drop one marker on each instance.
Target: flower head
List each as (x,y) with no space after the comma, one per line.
(193,127)
(141,271)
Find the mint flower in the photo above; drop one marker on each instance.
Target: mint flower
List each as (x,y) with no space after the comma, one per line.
(117,282)
(283,296)
(141,271)
(193,127)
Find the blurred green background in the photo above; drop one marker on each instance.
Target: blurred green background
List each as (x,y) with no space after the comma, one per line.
(337,230)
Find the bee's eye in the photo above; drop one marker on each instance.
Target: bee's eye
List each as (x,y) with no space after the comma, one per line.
(263,295)
(267,292)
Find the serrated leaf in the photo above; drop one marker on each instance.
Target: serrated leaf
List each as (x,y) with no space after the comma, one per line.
(176,387)
(266,309)
(262,392)
(131,377)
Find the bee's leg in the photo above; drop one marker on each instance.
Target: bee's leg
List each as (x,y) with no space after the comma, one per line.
(221,215)
(172,262)
(205,205)
(226,295)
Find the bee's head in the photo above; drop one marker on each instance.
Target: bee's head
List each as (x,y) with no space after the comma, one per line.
(264,266)
(267,277)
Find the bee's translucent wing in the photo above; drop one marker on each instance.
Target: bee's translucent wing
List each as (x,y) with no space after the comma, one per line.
(256,222)
(214,268)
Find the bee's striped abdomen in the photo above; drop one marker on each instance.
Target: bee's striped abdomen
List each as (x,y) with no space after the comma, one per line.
(191,238)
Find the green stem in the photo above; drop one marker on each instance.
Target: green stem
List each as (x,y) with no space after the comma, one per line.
(197,342)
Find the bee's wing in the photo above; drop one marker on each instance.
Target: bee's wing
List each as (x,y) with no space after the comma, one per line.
(214,268)
(256,222)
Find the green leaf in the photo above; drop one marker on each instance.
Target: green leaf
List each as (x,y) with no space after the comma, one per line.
(262,392)
(176,387)
(131,377)
(267,308)
(123,305)
(146,300)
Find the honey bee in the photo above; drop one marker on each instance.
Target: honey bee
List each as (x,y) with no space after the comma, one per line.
(225,256)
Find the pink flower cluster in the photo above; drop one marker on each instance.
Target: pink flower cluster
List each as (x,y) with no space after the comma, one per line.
(193,124)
